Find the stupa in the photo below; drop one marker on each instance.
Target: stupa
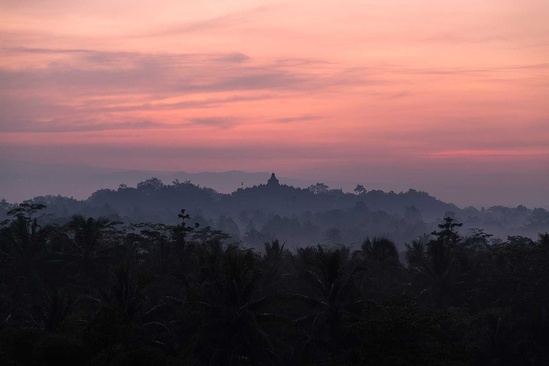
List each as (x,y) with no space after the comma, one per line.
(273,181)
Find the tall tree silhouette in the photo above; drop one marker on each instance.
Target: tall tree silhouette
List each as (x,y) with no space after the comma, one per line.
(230,318)
(329,274)
(379,259)
(89,237)
(438,264)
(23,248)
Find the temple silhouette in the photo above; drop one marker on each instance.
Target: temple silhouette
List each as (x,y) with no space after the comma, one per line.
(272,182)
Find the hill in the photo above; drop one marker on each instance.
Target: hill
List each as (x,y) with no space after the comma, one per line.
(299,216)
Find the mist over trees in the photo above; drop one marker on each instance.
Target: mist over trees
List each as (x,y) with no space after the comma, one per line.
(295,216)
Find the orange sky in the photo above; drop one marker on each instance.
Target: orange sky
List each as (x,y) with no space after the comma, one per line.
(445,96)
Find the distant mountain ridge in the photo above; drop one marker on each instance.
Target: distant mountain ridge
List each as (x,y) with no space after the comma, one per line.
(20,181)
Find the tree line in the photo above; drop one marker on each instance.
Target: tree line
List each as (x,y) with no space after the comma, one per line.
(93,291)
(296,216)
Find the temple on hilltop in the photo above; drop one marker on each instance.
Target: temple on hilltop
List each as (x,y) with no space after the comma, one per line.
(273,181)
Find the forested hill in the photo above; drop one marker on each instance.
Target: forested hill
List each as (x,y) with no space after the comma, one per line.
(298,216)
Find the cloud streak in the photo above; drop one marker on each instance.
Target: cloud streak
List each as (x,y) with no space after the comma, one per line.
(89,71)
(65,94)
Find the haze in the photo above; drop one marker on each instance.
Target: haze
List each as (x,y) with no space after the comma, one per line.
(449,97)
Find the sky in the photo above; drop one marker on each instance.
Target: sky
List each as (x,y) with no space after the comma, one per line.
(451,97)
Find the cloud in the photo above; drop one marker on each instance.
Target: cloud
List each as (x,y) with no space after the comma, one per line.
(68,125)
(526,151)
(292,62)
(302,118)
(44,51)
(207,103)
(221,122)
(251,79)
(82,89)
(196,26)
(205,25)
(88,72)
(236,57)
(399,95)
(472,71)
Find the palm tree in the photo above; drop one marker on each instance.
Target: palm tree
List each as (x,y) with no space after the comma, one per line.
(152,245)
(89,244)
(381,250)
(23,249)
(543,240)
(416,253)
(127,290)
(379,258)
(231,329)
(441,263)
(23,239)
(222,318)
(330,275)
(276,264)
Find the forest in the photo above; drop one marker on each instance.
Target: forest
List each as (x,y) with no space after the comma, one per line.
(295,216)
(91,290)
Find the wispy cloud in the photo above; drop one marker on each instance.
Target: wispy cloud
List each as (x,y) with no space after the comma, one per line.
(488,152)
(221,122)
(204,25)
(236,57)
(68,125)
(88,71)
(302,118)
(84,90)
(207,103)
(472,71)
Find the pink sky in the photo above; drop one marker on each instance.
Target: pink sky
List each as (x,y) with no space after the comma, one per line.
(451,97)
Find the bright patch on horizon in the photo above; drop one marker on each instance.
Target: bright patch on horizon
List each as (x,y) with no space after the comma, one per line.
(443,154)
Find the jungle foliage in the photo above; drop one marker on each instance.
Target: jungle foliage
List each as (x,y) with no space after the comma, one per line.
(93,291)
